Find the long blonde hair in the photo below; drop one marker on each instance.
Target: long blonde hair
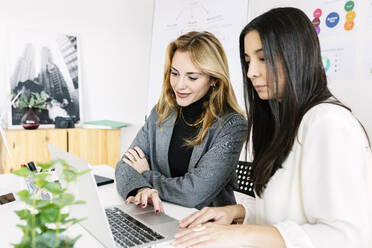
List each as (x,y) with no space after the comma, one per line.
(207,55)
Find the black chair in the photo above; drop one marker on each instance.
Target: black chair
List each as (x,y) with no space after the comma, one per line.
(243,173)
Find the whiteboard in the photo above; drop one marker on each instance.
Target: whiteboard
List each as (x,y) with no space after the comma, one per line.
(224,18)
(345,35)
(346,52)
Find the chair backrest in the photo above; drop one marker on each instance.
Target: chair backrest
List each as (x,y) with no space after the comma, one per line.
(243,172)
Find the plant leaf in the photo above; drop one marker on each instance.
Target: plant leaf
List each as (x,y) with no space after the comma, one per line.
(73,221)
(41,175)
(47,240)
(37,95)
(23,193)
(27,234)
(46,166)
(22,105)
(47,211)
(69,243)
(73,241)
(41,203)
(49,214)
(22,245)
(24,228)
(23,172)
(40,183)
(83,172)
(40,179)
(69,175)
(53,187)
(32,101)
(64,200)
(60,230)
(24,98)
(78,202)
(23,214)
(64,216)
(67,198)
(36,222)
(25,196)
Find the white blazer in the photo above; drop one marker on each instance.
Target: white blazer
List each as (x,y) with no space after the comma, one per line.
(322,195)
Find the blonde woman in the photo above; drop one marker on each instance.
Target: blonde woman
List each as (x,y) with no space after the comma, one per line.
(187,150)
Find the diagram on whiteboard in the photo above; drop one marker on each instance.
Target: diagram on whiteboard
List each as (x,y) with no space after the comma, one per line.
(195,15)
(338,61)
(334,17)
(173,18)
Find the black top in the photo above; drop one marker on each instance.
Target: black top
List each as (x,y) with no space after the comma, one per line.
(179,152)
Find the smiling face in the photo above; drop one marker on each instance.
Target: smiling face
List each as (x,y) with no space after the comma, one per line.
(188,82)
(257,68)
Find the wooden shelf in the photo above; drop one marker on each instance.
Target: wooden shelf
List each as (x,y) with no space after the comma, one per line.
(98,146)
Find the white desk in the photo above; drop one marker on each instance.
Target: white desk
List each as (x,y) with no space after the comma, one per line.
(108,195)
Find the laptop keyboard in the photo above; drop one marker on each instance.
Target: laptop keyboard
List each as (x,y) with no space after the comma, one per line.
(127,231)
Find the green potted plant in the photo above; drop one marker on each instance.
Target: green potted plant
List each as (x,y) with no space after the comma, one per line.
(45,219)
(31,101)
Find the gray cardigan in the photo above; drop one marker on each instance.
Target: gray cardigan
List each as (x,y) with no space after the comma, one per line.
(211,173)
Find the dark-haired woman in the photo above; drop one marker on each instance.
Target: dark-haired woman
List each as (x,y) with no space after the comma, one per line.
(311,157)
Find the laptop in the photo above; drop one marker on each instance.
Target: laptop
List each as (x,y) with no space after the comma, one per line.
(117,226)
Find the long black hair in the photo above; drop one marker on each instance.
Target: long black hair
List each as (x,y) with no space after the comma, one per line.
(288,37)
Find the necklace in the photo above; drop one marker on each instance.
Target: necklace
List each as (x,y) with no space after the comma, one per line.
(190,124)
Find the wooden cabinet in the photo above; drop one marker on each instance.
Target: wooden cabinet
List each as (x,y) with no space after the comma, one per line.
(30,145)
(98,146)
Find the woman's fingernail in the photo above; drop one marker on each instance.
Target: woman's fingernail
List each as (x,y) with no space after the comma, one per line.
(157,211)
(143,205)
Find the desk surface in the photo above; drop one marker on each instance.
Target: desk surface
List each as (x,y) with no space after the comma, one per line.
(107,194)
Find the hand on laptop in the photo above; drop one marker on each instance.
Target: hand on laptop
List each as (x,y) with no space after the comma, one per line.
(136,158)
(147,196)
(212,235)
(220,215)
(198,231)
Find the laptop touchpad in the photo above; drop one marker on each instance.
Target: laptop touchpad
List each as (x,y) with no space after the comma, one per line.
(154,219)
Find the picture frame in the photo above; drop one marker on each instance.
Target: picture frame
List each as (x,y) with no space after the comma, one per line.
(44,63)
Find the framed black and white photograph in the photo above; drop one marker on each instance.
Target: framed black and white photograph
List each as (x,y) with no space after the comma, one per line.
(44,76)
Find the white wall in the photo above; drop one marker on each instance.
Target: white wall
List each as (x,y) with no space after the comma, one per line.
(115,40)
